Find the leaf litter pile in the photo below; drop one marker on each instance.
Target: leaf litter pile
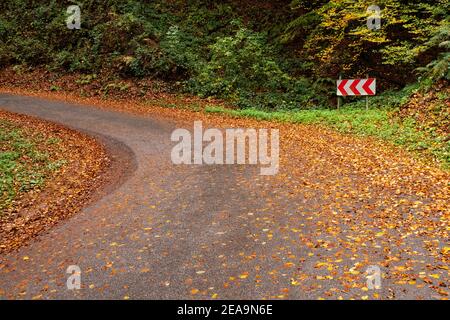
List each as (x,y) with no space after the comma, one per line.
(48,172)
(378,206)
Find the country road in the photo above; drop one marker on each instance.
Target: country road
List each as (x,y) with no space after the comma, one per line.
(226,232)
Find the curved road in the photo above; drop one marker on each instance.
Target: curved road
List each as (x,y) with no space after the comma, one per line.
(173,232)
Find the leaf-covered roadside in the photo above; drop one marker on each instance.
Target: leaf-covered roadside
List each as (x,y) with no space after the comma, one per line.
(27,159)
(47,173)
(412,118)
(415,120)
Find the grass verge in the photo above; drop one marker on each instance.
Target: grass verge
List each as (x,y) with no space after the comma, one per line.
(373,122)
(25,161)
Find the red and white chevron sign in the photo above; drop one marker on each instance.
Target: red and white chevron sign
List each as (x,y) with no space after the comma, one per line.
(356,87)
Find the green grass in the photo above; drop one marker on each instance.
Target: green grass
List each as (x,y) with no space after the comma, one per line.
(24,162)
(373,122)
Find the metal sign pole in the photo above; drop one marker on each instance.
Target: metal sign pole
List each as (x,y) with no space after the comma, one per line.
(367,97)
(339,98)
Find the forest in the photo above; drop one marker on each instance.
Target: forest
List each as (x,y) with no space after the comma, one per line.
(123,150)
(263,54)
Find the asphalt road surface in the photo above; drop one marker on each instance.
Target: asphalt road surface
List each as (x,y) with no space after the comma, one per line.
(199,232)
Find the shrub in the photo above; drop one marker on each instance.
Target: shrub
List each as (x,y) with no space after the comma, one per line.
(242,69)
(238,64)
(439,68)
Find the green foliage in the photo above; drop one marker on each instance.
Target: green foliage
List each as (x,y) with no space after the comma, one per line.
(242,69)
(281,55)
(439,68)
(388,100)
(239,63)
(335,38)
